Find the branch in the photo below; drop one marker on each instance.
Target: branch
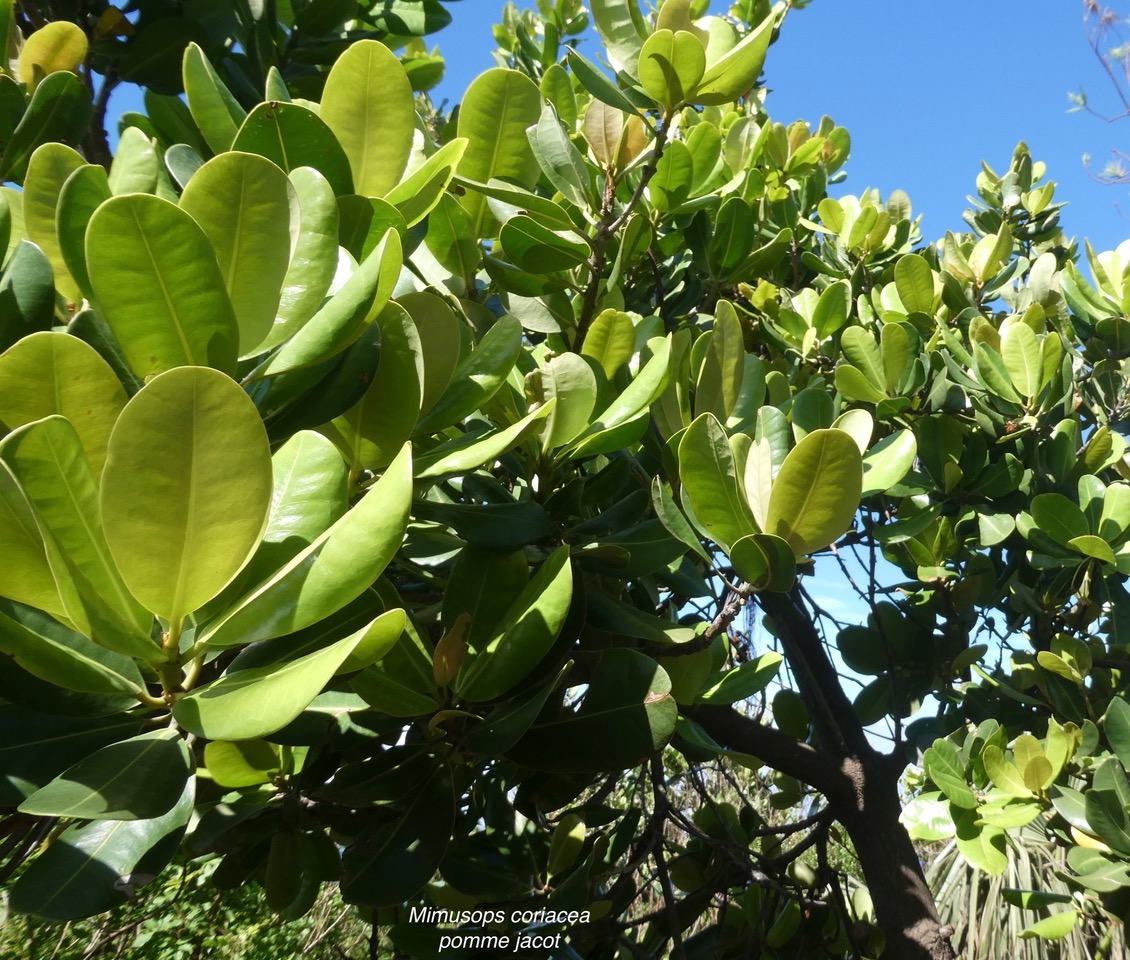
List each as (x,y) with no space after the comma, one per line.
(833,715)
(720,624)
(777,749)
(607,226)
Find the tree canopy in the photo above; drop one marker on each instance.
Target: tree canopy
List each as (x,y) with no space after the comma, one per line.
(430,502)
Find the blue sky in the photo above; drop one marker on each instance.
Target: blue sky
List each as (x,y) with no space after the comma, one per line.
(927,90)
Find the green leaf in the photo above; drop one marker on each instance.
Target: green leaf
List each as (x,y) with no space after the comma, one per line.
(816,492)
(158,286)
(914,282)
(371,432)
(293,136)
(888,462)
(570,381)
(1116,726)
(34,747)
(313,261)
(59,110)
(719,382)
(26,574)
(137,779)
(610,340)
(1058,517)
(497,108)
(863,353)
(1092,546)
(622,28)
(743,681)
(671,64)
(523,636)
(417,194)
(214,109)
(241,203)
(474,449)
(1055,927)
(86,869)
(1020,351)
(672,518)
(993,373)
(27,294)
(83,192)
(627,715)
(1003,772)
(245,763)
(559,159)
(537,249)
(943,765)
(853,384)
(63,657)
(344,316)
(389,863)
(832,309)
(640,394)
(309,493)
(187,487)
(47,172)
(334,569)
(706,469)
(135,166)
(46,457)
(477,379)
(736,71)
(52,373)
(982,846)
(367,103)
(596,83)
(765,562)
(257,701)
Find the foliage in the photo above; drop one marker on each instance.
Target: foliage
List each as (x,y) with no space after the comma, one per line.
(383,488)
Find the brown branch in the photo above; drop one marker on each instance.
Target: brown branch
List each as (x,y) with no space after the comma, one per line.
(607,226)
(777,749)
(720,624)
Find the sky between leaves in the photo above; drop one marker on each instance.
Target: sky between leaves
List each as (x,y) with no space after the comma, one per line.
(927,90)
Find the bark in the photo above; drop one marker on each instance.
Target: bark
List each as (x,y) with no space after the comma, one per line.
(860,783)
(904,905)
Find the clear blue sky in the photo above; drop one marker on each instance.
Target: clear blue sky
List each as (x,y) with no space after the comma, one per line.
(927,90)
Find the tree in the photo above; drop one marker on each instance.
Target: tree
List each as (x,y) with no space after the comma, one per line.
(391,492)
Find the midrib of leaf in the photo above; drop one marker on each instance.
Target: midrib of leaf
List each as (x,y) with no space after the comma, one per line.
(188,540)
(101,552)
(172,310)
(119,774)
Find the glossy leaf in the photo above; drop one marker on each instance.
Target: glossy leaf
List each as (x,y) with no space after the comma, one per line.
(59,110)
(137,779)
(736,71)
(628,713)
(46,457)
(215,110)
(817,491)
(312,585)
(83,192)
(523,636)
(47,171)
(671,64)
(81,873)
(51,373)
(367,103)
(706,468)
(158,285)
(292,136)
(186,489)
(342,317)
(257,701)
(241,203)
(497,108)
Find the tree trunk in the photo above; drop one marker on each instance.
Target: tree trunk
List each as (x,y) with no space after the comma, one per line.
(863,795)
(904,905)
